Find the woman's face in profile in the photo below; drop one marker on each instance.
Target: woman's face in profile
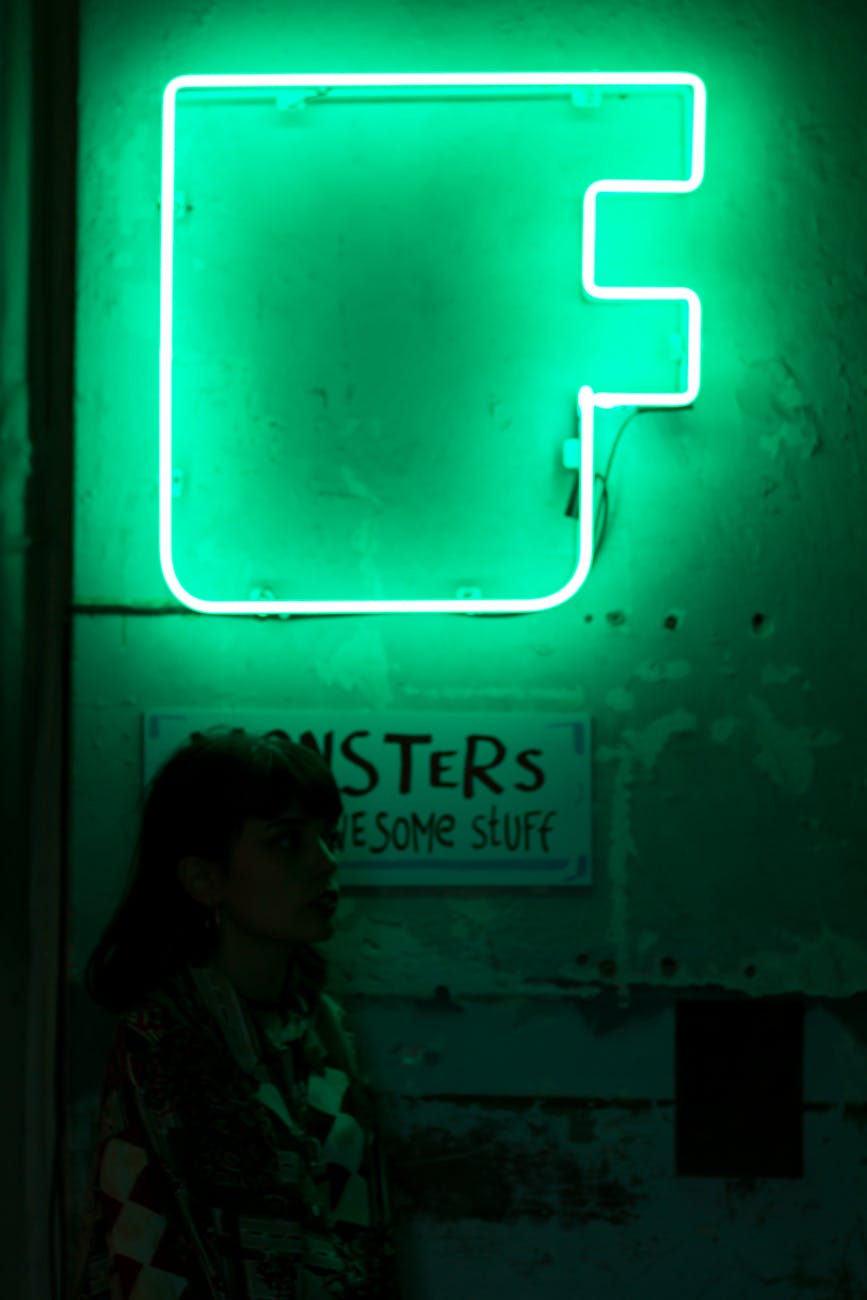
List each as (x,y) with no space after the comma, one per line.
(278,871)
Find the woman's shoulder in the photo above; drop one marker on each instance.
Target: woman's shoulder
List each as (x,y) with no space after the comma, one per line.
(158,1012)
(331,1022)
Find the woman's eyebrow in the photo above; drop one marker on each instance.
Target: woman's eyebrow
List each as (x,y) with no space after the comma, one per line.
(300,819)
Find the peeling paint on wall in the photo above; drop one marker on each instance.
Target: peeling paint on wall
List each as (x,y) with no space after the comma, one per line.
(620,700)
(722,729)
(775,404)
(779,674)
(671,671)
(569,697)
(360,663)
(646,746)
(786,753)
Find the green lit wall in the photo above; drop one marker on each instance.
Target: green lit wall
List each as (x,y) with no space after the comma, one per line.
(413,329)
(713,642)
(718,641)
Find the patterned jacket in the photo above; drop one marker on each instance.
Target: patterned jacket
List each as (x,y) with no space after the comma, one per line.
(238,1156)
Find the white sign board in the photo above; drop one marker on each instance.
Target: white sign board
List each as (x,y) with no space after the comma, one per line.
(435,798)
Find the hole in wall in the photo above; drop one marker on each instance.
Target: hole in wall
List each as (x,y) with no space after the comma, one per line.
(762,625)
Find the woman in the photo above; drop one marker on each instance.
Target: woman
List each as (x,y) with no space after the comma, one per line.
(238,1153)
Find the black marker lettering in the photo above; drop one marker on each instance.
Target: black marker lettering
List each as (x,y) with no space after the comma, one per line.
(471,768)
(348,752)
(531,767)
(405,743)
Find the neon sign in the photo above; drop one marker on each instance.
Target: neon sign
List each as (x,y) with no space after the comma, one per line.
(588,400)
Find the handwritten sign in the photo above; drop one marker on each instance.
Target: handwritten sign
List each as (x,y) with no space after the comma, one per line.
(436,798)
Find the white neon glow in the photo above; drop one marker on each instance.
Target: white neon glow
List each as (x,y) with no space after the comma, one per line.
(587,399)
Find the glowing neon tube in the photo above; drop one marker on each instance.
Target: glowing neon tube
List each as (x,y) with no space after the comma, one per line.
(587,399)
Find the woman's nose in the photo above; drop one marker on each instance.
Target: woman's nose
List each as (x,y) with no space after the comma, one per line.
(326,850)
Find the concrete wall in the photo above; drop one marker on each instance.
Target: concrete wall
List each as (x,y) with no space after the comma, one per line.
(527,1045)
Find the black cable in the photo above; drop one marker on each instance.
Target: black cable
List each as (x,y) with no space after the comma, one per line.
(603,503)
(602,510)
(572,511)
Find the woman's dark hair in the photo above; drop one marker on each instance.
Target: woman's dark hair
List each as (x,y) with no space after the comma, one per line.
(196,804)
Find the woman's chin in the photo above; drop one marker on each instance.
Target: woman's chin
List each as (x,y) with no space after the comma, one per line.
(324,918)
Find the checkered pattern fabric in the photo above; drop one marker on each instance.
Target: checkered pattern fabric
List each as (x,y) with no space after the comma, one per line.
(238,1157)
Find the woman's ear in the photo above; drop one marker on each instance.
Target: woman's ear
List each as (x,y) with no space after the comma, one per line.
(200,879)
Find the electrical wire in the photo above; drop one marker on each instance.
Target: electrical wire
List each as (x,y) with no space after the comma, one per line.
(602,508)
(572,511)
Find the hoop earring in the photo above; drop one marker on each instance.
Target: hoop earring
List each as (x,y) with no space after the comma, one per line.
(213,919)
